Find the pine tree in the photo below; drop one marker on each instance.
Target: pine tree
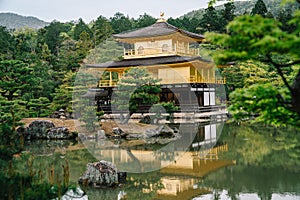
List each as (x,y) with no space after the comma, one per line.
(260,8)
(137,88)
(81,27)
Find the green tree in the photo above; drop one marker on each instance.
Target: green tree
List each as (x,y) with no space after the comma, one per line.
(259,8)
(6,43)
(210,21)
(9,120)
(144,21)
(101,29)
(245,74)
(81,27)
(15,78)
(62,97)
(175,22)
(52,35)
(258,38)
(120,23)
(90,118)
(257,102)
(26,44)
(83,45)
(227,15)
(68,58)
(284,16)
(107,51)
(39,107)
(136,88)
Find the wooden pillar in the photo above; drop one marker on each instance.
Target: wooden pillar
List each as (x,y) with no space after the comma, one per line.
(110,79)
(208,77)
(196,75)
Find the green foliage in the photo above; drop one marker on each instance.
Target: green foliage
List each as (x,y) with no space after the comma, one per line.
(6,43)
(90,117)
(143,21)
(261,39)
(247,39)
(81,27)
(262,103)
(52,35)
(26,44)
(210,21)
(83,45)
(38,107)
(245,74)
(260,8)
(62,97)
(136,88)
(68,59)
(120,23)
(108,50)
(101,29)
(15,76)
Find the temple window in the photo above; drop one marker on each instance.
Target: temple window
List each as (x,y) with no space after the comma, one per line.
(164,48)
(140,50)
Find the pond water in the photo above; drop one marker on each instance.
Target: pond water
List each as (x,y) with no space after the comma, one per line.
(210,161)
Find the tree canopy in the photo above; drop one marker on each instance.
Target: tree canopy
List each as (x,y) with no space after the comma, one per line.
(136,88)
(258,38)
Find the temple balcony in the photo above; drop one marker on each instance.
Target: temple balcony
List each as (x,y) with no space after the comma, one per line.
(191,79)
(156,52)
(108,83)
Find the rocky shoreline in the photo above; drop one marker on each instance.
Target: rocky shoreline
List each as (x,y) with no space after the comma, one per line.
(49,128)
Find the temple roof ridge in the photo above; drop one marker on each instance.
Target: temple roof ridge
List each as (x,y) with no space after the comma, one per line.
(159,28)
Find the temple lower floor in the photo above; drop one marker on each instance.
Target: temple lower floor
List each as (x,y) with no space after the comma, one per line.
(185,96)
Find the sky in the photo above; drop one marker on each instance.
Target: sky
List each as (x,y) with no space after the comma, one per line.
(67,10)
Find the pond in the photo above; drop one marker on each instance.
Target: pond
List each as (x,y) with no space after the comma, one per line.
(209,161)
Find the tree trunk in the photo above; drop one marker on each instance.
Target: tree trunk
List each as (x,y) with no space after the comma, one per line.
(296,94)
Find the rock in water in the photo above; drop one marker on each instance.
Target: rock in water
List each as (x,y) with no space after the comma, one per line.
(38,129)
(74,194)
(102,174)
(59,133)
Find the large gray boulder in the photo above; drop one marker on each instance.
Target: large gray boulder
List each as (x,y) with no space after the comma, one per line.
(38,129)
(162,131)
(102,174)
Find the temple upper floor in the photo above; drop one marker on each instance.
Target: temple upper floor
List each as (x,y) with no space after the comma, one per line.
(159,39)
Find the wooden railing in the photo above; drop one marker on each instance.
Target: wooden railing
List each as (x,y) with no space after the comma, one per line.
(149,52)
(108,83)
(193,79)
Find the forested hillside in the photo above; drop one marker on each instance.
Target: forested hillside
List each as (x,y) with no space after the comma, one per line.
(243,7)
(15,21)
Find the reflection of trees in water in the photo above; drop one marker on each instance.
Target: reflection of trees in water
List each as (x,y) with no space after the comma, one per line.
(47,147)
(250,179)
(254,147)
(268,162)
(264,146)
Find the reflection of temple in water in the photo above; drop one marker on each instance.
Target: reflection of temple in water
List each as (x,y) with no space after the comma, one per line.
(181,170)
(178,183)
